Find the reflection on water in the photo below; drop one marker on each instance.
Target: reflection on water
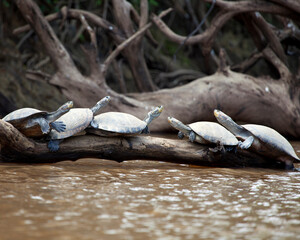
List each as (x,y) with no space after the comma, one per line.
(99,199)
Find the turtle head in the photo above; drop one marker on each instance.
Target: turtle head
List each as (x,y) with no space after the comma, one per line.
(221,117)
(153,114)
(66,107)
(156,112)
(175,123)
(102,103)
(52,116)
(228,123)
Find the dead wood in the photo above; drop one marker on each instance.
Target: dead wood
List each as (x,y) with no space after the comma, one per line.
(293,5)
(243,97)
(15,147)
(227,11)
(134,52)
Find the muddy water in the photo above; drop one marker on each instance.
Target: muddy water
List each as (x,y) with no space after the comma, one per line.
(99,199)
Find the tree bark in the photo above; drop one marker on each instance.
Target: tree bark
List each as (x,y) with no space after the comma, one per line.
(15,147)
(135,51)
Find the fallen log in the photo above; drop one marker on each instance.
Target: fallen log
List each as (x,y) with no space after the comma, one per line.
(15,147)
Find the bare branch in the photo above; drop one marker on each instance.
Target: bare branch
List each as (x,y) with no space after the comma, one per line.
(90,31)
(256,6)
(91,52)
(204,37)
(137,20)
(27,27)
(228,10)
(76,13)
(120,47)
(245,65)
(53,46)
(117,66)
(121,11)
(144,13)
(37,75)
(284,72)
(223,67)
(271,37)
(291,4)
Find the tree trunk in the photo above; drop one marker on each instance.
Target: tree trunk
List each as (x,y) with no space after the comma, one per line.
(134,51)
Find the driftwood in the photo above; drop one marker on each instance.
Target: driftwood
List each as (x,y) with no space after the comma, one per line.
(15,147)
(267,101)
(256,100)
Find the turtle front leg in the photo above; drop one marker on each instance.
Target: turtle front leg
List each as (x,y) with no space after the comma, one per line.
(146,130)
(180,135)
(192,136)
(218,148)
(289,165)
(247,143)
(59,126)
(44,125)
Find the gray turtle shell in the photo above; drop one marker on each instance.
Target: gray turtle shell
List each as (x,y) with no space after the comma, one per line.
(76,120)
(214,133)
(23,114)
(271,138)
(117,123)
(23,120)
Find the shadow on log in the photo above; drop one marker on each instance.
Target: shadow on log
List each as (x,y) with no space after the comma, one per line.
(15,147)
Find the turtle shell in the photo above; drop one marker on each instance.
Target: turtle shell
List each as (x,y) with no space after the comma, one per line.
(21,114)
(23,120)
(271,138)
(76,120)
(214,133)
(117,123)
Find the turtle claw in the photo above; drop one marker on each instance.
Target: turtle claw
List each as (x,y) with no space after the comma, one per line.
(247,143)
(59,126)
(53,145)
(180,135)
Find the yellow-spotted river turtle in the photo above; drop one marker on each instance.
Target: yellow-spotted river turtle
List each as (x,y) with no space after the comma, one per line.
(205,133)
(76,120)
(260,139)
(122,124)
(35,123)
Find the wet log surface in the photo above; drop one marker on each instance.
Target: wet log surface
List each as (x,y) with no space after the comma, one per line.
(15,147)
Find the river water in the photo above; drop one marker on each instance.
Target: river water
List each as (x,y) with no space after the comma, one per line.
(100,199)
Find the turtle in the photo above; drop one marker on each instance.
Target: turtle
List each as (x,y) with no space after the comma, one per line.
(260,139)
(122,124)
(206,133)
(36,123)
(76,120)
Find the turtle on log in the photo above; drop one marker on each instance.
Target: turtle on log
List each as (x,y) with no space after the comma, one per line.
(206,133)
(260,139)
(76,120)
(35,123)
(122,124)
